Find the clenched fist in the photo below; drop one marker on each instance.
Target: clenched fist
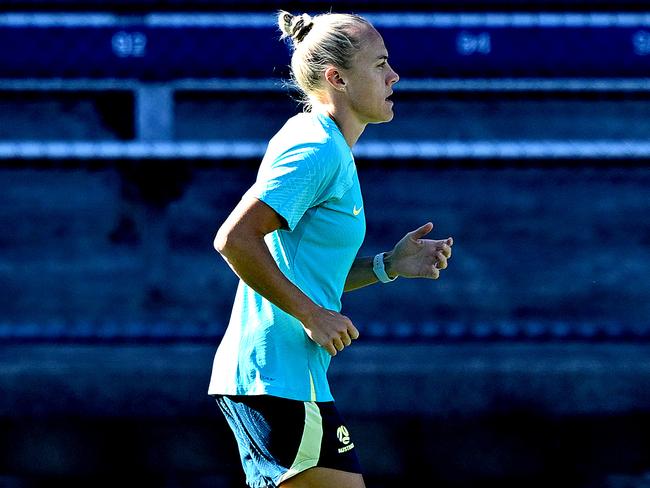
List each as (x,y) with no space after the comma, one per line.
(330,329)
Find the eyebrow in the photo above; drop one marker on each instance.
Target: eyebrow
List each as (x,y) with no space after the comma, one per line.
(383,57)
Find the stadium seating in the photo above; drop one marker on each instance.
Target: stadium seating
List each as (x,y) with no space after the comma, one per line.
(129,129)
(486,87)
(163,59)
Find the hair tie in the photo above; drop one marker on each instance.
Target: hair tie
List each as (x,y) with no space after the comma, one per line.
(302,28)
(287,18)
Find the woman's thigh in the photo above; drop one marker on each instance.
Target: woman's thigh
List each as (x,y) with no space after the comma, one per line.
(324,478)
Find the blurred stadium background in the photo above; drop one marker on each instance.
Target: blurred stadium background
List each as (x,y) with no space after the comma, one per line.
(129,129)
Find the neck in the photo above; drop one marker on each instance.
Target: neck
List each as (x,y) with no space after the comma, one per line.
(347,124)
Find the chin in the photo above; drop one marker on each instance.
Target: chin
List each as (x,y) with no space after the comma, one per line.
(386,118)
(381,117)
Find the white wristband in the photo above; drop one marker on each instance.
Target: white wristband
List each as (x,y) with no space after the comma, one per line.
(379,270)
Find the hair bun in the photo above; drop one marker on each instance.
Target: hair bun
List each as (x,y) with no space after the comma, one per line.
(295,26)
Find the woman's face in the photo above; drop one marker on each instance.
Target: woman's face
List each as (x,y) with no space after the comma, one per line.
(370,80)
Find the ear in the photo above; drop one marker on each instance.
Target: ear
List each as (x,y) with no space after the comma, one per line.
(334,78)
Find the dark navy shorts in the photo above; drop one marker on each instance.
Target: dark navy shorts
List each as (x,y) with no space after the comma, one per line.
(279,438)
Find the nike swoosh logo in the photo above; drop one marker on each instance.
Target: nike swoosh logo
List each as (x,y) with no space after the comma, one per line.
(355,211)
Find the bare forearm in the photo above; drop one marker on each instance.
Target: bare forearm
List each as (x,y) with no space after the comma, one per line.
(361,273)
(240,240)
(251,260)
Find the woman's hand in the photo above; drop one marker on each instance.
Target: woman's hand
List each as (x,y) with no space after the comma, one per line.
(414,257)
(330,329)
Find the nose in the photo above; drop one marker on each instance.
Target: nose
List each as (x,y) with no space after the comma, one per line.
(393,77)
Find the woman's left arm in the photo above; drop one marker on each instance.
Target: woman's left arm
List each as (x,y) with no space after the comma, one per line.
(412,257)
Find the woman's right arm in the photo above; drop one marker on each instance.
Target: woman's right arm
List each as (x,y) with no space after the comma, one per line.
(240,240)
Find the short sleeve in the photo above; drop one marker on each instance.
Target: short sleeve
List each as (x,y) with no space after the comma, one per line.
(296,180)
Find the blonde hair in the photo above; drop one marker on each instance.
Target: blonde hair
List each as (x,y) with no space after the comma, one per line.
(318,42)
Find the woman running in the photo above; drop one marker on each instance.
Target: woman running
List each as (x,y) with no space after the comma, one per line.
(293,241)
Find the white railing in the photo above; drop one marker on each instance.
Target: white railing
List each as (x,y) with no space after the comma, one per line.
(422,149)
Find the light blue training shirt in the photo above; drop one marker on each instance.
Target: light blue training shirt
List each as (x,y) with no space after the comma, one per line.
(308,176)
